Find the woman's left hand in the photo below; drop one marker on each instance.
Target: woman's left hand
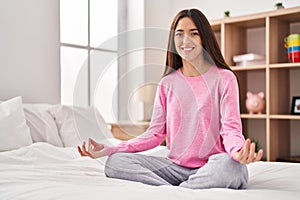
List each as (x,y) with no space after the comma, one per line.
(247,154)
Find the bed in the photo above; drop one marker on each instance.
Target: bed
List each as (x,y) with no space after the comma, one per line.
(48,167)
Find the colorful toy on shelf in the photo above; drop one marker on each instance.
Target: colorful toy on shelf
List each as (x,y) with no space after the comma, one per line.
(255,103)
(292,44)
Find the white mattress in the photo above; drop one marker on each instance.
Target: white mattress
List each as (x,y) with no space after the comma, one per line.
(42,171)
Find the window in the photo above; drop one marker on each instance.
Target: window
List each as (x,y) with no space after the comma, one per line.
(89,52)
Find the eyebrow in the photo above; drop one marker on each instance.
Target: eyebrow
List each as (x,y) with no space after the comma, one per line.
(193,29)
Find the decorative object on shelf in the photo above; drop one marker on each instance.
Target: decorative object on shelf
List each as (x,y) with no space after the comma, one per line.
(249,59)
(257,144)
(255,103)
(227,13)
(292,44)
(295,106)
(279,5)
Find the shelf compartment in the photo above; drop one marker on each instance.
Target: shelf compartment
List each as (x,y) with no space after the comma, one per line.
(256,129)
(250,81)
(284,136)
(279,28)
(239,37)
(284,84)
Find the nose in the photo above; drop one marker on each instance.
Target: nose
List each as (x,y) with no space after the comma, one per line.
(186,38)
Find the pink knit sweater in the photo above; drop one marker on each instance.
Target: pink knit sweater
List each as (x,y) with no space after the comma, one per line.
(199,116)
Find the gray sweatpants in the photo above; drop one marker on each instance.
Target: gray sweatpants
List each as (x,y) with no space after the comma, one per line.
(219,172)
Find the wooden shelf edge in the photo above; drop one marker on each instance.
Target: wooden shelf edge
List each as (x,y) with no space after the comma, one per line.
(253,116)
(256,16)
(263,67)
(285,65)
(281,116)
(273,116)
(242,68)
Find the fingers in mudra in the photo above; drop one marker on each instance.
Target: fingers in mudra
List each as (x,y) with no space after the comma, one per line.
(83,151)
(249,154)
(93,150)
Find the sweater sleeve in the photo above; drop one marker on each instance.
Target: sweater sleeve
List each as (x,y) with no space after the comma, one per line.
(153,136)
(231,126)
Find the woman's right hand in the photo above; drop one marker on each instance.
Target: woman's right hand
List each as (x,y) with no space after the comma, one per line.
(94,150)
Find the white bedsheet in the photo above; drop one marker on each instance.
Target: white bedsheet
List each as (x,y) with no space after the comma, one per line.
(42,171)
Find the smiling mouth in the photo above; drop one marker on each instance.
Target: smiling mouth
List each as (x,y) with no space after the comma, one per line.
(187,48)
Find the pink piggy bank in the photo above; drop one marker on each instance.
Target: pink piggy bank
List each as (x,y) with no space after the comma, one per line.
(255,103)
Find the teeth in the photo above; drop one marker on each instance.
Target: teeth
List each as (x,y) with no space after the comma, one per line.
(187,48)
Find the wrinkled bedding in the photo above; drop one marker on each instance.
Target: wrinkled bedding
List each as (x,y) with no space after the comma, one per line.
(43,171)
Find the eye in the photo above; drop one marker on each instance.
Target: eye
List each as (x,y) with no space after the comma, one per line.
(194,33)
(178,34)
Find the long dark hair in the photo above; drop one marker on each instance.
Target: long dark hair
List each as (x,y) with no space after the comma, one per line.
(212,52)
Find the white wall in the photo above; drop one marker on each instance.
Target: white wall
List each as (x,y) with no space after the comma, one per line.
(29,50)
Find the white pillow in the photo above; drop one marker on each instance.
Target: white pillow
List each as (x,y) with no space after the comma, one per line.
(77,124)
(14,132)
(42,125)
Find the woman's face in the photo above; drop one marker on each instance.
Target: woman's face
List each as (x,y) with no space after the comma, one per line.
(187,40)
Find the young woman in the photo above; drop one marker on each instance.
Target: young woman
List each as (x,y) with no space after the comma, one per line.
(196,109)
